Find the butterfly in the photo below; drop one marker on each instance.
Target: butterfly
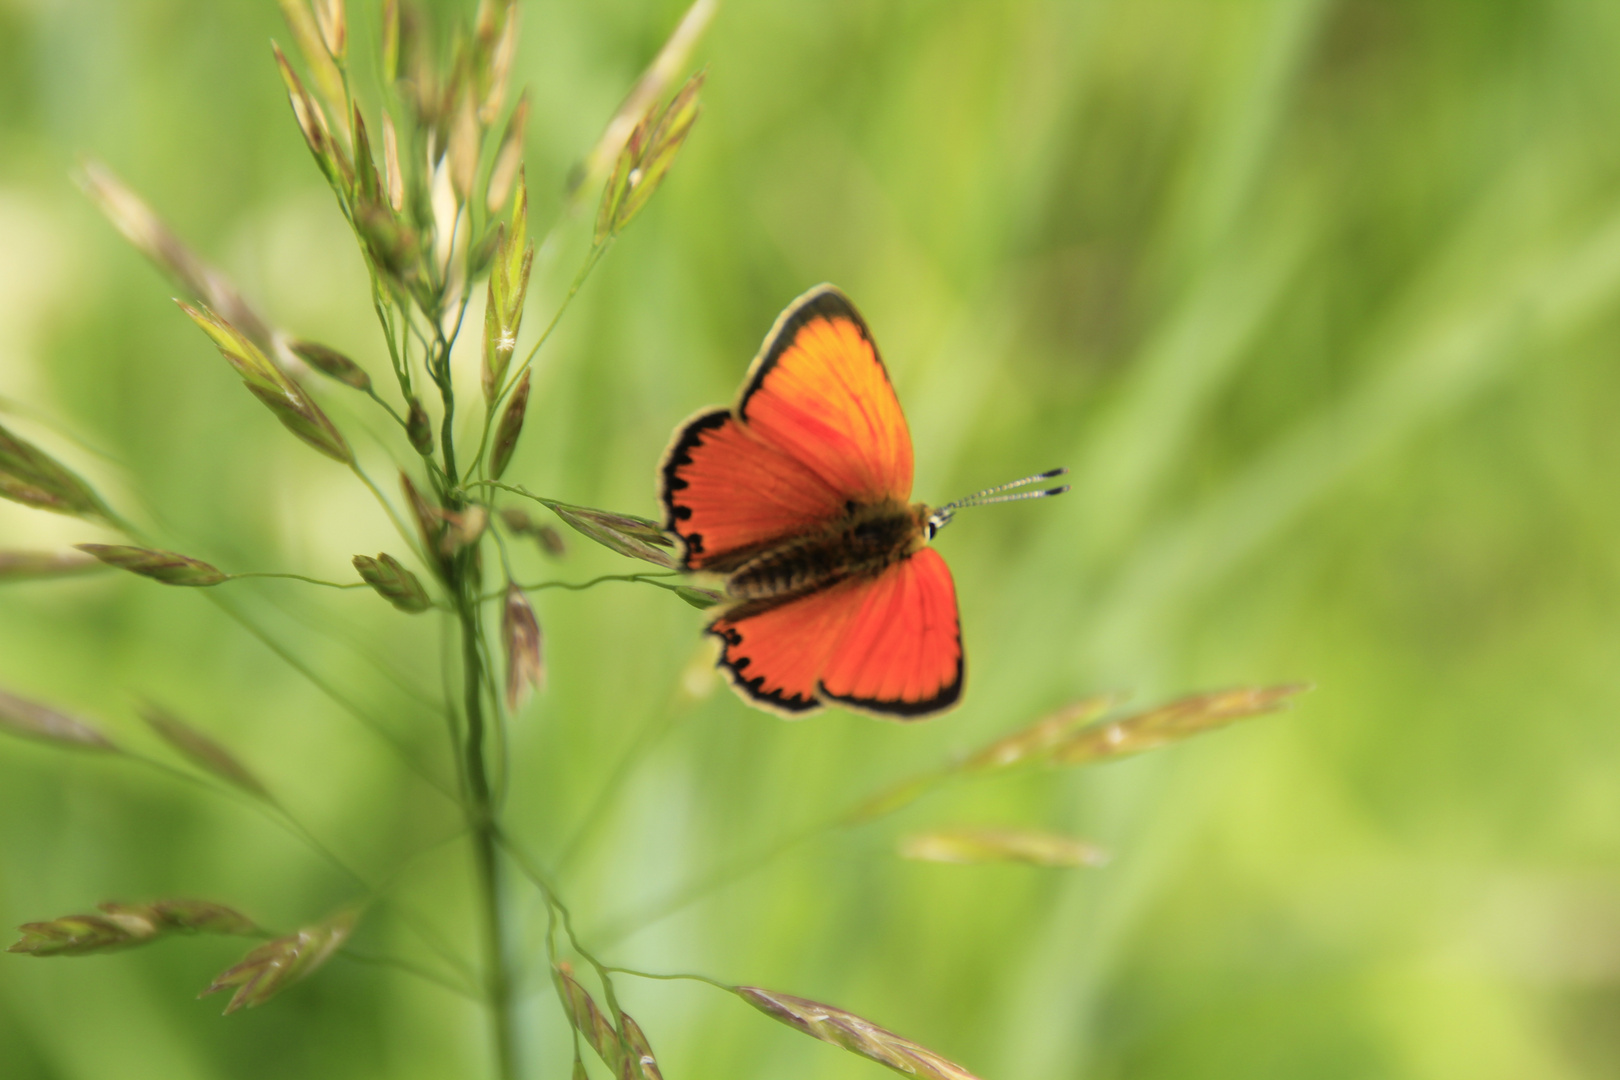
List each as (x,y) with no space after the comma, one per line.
(799,494)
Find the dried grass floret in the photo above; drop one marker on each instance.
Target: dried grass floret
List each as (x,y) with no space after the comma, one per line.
(854,1034)
(276,965)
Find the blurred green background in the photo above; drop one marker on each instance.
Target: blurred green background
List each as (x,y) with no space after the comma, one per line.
(1320,300)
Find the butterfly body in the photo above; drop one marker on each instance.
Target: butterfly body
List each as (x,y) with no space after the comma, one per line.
(863,542)
(799,494)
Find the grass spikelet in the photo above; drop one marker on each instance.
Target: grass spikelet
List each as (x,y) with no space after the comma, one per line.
(636,537)
(333,22)
(508,287)
(204,752)
(393,582)
(854,1034)
(979,845)
(306,31)
(276,965)
(498,71)
(646,159)
(121,926)
(418,428)
(393,178)
(589,1020)
(510,427)
(702,599)
(169,567)
(312,122)
(32,565)
(663,71)
(30,719)
(461,529)
(1037,740)
(521,637)
(331,363)
(465,135)
(390,41)
(429,522)
(1180,719)
(32,477)
(152,237)
(641,1057)
(392,245)
(284,397)
(509,158)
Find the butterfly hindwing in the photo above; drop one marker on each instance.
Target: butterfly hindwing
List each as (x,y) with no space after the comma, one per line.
(889,645)
(900,655)
(816,427)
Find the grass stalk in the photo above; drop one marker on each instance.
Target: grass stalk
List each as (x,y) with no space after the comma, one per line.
(482,824)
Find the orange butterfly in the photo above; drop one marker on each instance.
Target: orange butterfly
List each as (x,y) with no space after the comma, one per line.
(800,495)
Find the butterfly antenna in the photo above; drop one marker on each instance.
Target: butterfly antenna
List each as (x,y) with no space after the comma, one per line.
(999,494)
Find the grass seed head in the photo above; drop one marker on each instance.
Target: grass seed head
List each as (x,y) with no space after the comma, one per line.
(29,565)
(521,637)
(588,1019)
(641,1058)
(390,41)
(511,426)
(1036,741)
(306,32)
(393,245)
(368,182)
(979,845)
(274,387)
(152,237)
(418,428)
(517,521)
(32,477)
(461,528)
(854,1034)
(120,926)
(333,22)
(1180,719)
(429,520)
(508,288)
(509,158)
(312,123)
(393,582)
(498,49)
(331,363)
(702,599)
(393,178)
(32,720)
(204,752)
(276,965)
(627,534)
(465,135)
(644,95)
(169,567)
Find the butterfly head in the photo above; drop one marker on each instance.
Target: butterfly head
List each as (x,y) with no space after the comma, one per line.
(939,518)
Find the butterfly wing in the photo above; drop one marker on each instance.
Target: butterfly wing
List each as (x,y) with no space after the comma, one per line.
(888,645)
(816,427)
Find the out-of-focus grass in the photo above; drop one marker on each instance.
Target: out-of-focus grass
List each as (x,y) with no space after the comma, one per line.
(1319,300)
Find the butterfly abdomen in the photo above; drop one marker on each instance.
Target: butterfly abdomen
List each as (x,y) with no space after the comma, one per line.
(864,541)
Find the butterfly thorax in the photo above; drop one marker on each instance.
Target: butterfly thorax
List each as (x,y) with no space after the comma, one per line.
(862,542)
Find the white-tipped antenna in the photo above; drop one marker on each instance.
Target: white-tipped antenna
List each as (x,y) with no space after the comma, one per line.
(941,517)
